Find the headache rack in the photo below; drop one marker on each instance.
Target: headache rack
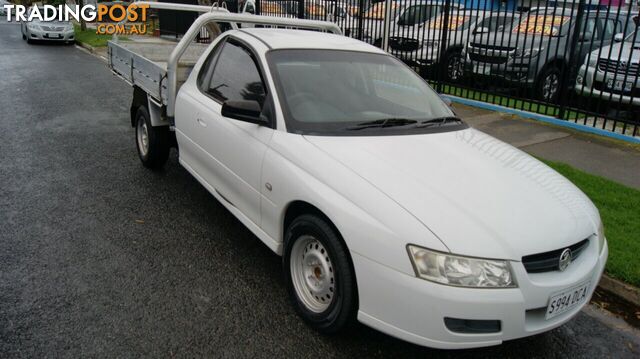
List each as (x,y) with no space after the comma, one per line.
(160,68)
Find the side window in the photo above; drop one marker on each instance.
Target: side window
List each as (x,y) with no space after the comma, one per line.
(589,29)
(250,8)
(606,28)
(235,76)
(207,67)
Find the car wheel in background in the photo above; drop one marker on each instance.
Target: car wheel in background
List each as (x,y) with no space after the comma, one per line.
(153,143)
(455,66)
(548,85)
(319,274)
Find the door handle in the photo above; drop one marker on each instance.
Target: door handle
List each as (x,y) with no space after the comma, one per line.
(201,122)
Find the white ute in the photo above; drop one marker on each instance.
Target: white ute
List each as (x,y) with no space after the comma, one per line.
(385,207)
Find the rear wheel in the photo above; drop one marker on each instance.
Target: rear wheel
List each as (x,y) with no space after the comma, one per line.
(319,275)
(153,143)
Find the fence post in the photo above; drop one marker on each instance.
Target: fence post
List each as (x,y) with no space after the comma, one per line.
(443,46)
(360,19)
(386,26)
(258,9)
(567,74)
(301,9)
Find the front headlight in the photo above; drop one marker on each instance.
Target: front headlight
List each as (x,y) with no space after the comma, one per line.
(31,26)
(527,52)
(593,60)
(601,238)
(459,270)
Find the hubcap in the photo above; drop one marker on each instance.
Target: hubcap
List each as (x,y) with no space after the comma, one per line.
(550,86)
(143,137)
(312,274)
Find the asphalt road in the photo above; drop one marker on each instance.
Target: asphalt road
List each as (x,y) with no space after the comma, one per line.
(100,257)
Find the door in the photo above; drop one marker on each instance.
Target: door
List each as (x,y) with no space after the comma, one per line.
(227,153)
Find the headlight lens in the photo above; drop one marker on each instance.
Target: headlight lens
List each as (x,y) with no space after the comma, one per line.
(33,26)
(527,52)
(593,60)
(461,271)
(601,238)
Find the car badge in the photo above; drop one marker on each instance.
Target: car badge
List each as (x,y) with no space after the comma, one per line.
(565,259)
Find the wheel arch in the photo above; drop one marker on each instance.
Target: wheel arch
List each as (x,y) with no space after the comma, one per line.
(297,208)
(139,99)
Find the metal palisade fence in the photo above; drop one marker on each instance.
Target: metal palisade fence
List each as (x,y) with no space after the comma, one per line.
(573,60)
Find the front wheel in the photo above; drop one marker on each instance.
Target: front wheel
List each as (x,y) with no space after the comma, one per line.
(548,85)
(455,66)
(152,142)
(319,275)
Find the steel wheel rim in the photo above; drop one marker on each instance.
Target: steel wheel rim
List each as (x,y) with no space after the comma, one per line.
(455,68)
(143,137)
(312,274)
(550,86)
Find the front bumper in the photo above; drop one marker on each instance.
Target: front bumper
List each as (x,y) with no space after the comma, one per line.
(424,56)
(413,309)
(41,35)
(512,71)
(591,82)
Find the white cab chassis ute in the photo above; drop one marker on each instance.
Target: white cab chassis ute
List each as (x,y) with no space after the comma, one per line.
(385,207)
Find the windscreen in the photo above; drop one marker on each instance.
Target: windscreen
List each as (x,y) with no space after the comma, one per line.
(456,22)
(548,24)
(325,92)
(418,14)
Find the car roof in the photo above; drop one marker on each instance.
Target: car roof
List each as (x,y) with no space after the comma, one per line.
(303,39)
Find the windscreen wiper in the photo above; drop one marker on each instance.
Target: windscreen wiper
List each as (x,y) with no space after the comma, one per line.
(387,122)
(438,121)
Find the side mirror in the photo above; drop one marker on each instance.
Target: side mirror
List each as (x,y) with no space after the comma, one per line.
(247,111)
(618,37)
(481,30)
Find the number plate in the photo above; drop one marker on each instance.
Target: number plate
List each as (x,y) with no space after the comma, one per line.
(619,85)
(482,69)
(567,299)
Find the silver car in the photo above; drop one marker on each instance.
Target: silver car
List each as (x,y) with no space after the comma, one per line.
(47,31)
(421,46)
(612,72)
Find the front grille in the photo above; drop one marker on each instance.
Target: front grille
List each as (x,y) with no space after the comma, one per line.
(491,47)
(403,44)
(488,59)
(52,28)
(489,54)
(619,67)
(549,261)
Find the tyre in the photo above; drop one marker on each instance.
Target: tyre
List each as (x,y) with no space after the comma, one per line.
(24,37)
(153,143)
(548,85)
(319,275)
(455,66)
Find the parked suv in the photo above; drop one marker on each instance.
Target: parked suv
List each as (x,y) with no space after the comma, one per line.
(421,46)
(536,51)
(611,73)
